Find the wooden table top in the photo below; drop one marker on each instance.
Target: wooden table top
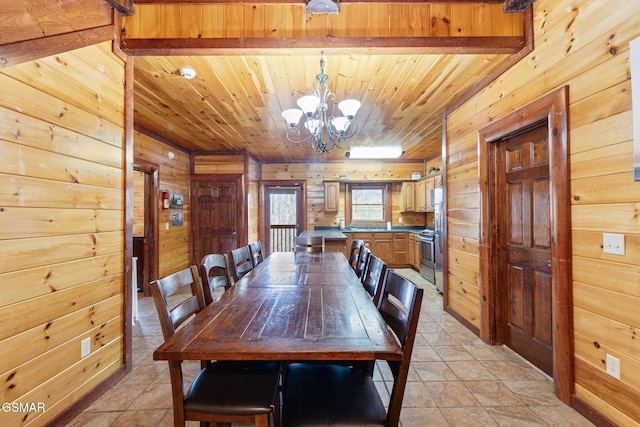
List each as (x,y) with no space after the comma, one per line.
(301,306)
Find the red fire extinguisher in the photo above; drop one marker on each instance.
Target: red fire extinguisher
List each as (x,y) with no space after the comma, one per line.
(165,199)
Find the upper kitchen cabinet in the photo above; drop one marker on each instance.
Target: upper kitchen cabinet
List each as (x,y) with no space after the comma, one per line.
(424,188)
(331,196)
(408,197)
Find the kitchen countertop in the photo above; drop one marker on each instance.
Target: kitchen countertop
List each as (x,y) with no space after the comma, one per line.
(366,229)
(327,234)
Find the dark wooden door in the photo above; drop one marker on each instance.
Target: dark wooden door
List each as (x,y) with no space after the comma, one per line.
(215,217)
(524,231)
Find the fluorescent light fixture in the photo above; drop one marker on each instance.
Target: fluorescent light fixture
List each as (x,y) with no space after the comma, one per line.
(385,152)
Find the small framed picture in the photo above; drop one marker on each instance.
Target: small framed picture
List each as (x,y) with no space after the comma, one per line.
(176,201)
(177,218)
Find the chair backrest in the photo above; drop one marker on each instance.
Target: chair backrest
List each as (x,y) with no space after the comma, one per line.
(374,276)
(363,258)
(214,273)
(354,252)
(171,288)
(242,264)
(165,291)
(401,313)
(310,244)
(255,249)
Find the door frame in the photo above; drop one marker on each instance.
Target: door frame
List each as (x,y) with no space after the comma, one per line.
(264,215)
(552,108)
(151,230)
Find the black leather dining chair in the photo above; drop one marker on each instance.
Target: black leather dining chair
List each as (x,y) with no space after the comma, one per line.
(214,274)
(222,392)
(334,395)
(373,277)
(363,259)
(354,252)
(255,249)
(242,264)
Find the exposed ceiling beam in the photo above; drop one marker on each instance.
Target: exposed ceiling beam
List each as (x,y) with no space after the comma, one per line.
(302,2)
(329,45)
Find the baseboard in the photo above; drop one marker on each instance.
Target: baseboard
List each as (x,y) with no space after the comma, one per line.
(589,413)
(81,404)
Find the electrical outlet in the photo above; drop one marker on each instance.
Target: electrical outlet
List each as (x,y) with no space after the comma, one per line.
(85,347)
(399,220)
(613,244)
(613,366)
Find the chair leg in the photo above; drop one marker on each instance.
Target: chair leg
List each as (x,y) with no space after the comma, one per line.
(276,410)
(262,420)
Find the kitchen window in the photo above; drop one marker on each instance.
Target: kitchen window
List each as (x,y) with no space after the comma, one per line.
(368,204)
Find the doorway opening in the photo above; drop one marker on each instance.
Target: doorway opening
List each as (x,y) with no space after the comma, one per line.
(284,211)
(497,270)
(145,223)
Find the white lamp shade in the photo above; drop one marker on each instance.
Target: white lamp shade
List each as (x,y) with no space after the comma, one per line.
(292,116)
(340,124)
(349,107)
(308,104)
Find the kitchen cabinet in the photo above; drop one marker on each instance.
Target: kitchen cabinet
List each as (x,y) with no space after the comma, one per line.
(424,188)
(408,195)
(331,196)
(421,196)
(414,251)
(390,247)
(430,184)
(383,247)
(400,249)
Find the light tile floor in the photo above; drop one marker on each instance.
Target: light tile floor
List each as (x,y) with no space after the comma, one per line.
(455,380)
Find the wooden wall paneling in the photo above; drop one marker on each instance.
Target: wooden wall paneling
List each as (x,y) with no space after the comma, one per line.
(138,203)
(233,19)
(66,250)
(50,17)
(174,246)
(588,52)
(49,279)
(29,253)
(253,199)
(440,19)
(34,372)
(290,20)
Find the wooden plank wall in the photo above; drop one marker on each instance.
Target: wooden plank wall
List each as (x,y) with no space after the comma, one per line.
(138,203)
(316,173)
(270,20)
(47,18)
(61,228)
(584,45)
(174,175)
(253,199)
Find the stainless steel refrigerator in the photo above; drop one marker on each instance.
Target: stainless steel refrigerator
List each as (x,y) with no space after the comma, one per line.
(439,218)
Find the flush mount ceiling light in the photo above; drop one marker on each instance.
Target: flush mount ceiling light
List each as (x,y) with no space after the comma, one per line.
(317,123)
(323,6)
(383,152)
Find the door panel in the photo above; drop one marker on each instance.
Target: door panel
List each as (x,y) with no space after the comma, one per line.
(215,217)
(525,233)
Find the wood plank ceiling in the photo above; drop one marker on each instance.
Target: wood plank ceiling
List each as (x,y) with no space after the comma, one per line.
(405,62)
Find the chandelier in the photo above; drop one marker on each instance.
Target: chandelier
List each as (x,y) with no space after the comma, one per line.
(314,108)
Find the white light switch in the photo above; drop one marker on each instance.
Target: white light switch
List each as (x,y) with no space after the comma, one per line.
(613,244)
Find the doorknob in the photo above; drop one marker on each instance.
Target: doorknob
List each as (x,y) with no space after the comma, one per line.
(548,263)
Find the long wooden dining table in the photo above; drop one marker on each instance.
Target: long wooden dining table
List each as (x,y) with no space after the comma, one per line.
(292,306)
